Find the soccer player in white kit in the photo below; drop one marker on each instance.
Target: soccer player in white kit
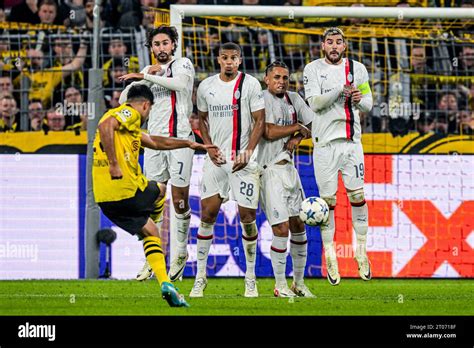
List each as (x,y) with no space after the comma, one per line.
(337,88)
(231,109)
(171,81)
(281,193)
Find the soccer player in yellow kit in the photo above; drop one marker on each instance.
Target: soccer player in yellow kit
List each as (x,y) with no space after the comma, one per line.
(123,193)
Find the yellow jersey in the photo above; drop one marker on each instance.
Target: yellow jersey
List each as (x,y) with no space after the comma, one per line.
(127,142)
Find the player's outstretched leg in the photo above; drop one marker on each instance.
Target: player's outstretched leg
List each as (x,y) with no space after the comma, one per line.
(156,259)
(328,230)
(157,216)
(299,252)
(360,223)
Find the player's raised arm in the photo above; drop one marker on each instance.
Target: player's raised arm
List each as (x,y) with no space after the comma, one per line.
(157,142)
(314,95)
(107,133)
(78,60)
(123,95)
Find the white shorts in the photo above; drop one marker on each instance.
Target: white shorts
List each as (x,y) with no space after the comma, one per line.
(338,155)
(174,166)
(281,192)
(245,183)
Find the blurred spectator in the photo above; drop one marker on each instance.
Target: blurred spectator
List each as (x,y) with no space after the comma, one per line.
(48,12)
(118,50)
(44,81)
(116,69)
(63,55)
(466,122)
(447,113)
(55,120)
(425,124)
(76,111)
(3,16)
(26,12)
(112,99)
(73,13)
(466,60)
(6,84)
(148,20)
(36,115)
(89,7)
(8,114)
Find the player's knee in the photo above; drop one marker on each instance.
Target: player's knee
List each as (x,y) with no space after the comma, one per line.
(281,229)
(296,225)
(356,197)
(208,216)
(331,201)
(247,215)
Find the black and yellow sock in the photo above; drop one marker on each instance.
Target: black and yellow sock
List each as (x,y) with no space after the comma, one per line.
(158,209)
(155,257)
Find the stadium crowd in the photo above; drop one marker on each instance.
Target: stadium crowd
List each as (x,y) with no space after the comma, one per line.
(419,85)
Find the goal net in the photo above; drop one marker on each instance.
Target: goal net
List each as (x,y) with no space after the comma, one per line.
(420,63)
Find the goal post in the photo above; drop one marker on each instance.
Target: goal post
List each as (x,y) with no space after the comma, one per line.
(386,40)
(179,12)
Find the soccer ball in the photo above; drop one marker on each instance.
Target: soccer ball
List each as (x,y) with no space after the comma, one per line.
(314,211)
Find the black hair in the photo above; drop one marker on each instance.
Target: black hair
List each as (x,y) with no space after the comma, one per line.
(163,29)
(230,46)
(140,92)
(276,63)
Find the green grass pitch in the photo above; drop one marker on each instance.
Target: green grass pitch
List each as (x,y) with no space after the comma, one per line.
(225,297)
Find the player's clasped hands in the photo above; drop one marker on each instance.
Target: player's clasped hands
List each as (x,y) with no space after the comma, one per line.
(352,91)
(155,70)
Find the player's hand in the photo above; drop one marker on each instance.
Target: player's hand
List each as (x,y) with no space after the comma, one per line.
(241,161)
(132,76)
(304,131)
(36,123)
(356,95)
(115,172)
(200,147)
(292,143)
(347,91)
(216,156)
(155,70)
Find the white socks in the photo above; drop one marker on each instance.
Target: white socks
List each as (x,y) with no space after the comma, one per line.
(249,241)
(299,253)
(204,241)
(182,224)
(360,217)
(278,257)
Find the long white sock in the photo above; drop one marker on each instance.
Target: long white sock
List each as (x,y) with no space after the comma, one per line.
(360,217)
(299,253)
(249,241)
(204,241)
(278,257)
(328,230)
(182,225)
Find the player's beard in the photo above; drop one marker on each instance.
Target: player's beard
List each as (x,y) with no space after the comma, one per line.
(163,57)
(333,60)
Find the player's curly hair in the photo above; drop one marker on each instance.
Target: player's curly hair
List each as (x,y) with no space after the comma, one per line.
(163,29)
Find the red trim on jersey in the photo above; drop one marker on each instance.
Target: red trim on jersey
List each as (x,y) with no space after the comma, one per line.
(172,125)
(348,103)
(236,129)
